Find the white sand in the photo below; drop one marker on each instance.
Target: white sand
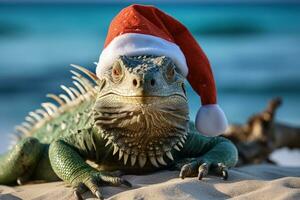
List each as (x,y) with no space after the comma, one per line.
(253,182)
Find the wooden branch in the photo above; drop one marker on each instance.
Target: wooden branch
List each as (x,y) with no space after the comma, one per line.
(261,135)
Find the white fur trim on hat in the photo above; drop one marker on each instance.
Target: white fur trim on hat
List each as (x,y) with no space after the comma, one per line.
(211,120)
(134,44)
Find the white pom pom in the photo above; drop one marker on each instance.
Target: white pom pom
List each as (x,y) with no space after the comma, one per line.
(211,120)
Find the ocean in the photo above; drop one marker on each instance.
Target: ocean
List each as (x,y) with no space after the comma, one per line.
(253,49)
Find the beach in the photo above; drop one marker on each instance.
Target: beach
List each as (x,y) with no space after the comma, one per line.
(259,182)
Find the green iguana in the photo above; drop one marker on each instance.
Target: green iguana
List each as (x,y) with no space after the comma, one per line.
(139,126)
(132,118)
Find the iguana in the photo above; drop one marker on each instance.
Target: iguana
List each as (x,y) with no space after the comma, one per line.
(131,116)
(139,126)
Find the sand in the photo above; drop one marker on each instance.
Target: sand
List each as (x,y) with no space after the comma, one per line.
(251,182)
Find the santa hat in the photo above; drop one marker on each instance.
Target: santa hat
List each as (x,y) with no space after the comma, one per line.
(146,30)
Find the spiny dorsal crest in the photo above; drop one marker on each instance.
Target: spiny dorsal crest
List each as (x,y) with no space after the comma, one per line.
(83,90)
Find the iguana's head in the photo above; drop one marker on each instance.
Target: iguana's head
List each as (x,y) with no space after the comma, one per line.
(142,108)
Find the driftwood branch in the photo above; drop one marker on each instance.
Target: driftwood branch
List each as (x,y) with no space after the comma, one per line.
(261,135)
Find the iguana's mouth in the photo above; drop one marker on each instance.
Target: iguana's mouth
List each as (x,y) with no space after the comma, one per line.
(143,128)
(141,99)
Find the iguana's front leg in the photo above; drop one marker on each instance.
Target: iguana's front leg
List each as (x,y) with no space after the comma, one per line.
(67,157)
(214,155)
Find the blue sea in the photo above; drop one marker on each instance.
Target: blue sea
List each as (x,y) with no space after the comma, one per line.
(254,51)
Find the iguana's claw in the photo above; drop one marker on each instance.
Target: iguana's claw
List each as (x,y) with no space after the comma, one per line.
(79,190)
(186,171)
(202,169)
(99,195)
(21,181)
(77,195)
(94,182)
(90,185)
(221,170)
(225,175)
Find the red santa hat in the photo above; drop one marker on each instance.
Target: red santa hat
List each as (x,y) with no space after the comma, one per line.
(146,30)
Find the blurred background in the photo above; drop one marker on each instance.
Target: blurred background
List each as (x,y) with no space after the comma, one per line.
(253,46)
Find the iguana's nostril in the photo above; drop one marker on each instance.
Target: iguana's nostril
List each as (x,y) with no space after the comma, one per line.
(134,82)
(152,82)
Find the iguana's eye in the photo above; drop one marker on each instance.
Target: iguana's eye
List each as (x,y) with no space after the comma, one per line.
(170,72)
(117,72)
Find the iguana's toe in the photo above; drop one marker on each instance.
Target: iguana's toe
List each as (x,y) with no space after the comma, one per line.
(94,182)
(94,186)
(189,170)
(99,195)
(77,195)
(114,180)
(203,170)
(22,180)
(79,190)
(220,170)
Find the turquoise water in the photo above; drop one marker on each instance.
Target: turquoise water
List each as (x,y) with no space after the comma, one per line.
(254,52)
